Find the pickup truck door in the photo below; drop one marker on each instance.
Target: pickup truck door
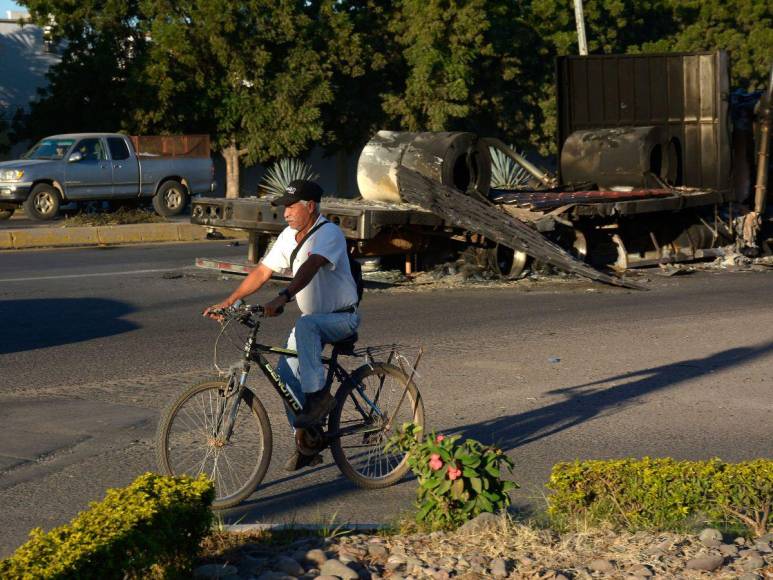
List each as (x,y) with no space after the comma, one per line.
(126,171)
(92,176)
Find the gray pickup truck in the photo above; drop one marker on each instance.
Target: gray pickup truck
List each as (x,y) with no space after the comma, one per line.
(101,166)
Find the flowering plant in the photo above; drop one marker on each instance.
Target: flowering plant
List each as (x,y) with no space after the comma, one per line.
(457,479)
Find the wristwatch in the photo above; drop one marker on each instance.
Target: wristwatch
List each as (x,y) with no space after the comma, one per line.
(286,293)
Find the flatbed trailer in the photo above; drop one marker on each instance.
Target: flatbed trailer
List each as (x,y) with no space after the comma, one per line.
(652,170)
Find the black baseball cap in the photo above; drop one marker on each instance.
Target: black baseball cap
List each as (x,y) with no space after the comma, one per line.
(298,190)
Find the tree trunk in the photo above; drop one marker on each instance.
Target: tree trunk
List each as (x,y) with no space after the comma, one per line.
(231,156)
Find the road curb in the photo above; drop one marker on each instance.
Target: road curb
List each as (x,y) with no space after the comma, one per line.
(23,239)
(306,527)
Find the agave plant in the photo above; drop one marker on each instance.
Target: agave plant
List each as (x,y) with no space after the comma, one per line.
(282,172)
(506,173)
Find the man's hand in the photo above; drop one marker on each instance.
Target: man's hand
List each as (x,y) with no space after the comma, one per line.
(219,306)
(275,307)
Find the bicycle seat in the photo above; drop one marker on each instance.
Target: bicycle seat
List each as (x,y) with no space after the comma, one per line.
(345,346)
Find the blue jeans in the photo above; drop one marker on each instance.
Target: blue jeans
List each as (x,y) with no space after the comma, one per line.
(305,374)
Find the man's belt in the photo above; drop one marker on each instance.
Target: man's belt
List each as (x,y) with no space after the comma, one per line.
(348,310)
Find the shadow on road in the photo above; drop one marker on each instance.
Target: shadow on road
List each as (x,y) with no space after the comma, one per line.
(589,401)
(32,324)
(583,403)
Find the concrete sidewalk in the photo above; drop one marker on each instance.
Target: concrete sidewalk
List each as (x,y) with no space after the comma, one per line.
(51,237)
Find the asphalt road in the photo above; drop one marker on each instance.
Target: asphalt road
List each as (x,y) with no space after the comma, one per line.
(94,342)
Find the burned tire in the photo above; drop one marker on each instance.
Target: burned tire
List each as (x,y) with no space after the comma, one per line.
(171,199)
(43,202)
(6,214)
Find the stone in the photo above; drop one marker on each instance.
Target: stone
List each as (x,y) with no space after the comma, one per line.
(439,574)
(753,563)
(288,565)
(750,576)
(274,575)
(394,562)
(708,562)
(740,540)
(604,566)
(208,571)
(498,567)
(413,565)
(728,550)
(749,553)
(377,551)
(658,549)
(336,568)
(327,577)
(640,571)
(763,547)
(766,538)
(315,557)
(483,521)
(710,537)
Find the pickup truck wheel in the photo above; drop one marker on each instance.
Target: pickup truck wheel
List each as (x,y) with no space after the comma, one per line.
(6,214)
(171,199)
(42,203)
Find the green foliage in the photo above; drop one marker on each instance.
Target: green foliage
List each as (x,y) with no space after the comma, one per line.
(506,173)
(466,66)
(246,71)
(154,523)
(92,88)
(267,79)
(742,27)
(457,480)
(663,493)
(282,172)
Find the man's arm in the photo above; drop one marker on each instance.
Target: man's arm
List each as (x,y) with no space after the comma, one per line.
(305,274)
(250,284)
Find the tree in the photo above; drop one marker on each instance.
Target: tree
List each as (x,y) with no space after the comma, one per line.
(742,27)
(364,61)
(90,89)
(469,67)
(246,72)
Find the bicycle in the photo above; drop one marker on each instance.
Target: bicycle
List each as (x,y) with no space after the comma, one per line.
(221,428)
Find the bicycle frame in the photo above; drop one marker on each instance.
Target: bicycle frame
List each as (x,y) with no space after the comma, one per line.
(254,353)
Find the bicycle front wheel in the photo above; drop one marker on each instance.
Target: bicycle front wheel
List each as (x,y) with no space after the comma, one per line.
(366,416)
(191,441)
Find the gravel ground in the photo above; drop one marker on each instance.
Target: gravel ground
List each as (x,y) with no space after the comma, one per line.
(490,547)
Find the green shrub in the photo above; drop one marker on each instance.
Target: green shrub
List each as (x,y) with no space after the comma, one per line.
(663,493)
(457,481)
(154,525)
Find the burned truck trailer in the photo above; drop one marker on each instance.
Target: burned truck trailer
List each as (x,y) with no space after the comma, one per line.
(657,162)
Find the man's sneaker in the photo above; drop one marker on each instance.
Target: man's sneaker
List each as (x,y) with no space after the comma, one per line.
(298,461)
(317,406)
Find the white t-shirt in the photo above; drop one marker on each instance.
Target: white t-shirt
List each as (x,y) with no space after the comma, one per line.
(333,287)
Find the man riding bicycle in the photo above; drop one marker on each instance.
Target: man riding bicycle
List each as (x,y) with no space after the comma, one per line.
(314,250)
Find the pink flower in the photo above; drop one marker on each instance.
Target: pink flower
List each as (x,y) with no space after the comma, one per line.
(439,438)
(434,462)
(454,473)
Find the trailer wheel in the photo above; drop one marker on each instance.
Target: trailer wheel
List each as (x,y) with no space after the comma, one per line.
(6,213)
(42,203)
(170,199)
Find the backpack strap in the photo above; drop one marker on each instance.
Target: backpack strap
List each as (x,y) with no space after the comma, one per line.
(303,241)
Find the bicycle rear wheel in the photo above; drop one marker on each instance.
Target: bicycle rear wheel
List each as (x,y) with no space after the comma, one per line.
(189,441)
(358,448)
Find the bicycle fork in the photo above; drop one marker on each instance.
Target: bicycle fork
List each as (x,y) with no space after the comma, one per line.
(228,407)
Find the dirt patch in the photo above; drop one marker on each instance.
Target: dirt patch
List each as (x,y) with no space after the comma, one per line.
(121,216)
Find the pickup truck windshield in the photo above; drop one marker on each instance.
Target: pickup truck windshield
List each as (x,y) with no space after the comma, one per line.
(49,149)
